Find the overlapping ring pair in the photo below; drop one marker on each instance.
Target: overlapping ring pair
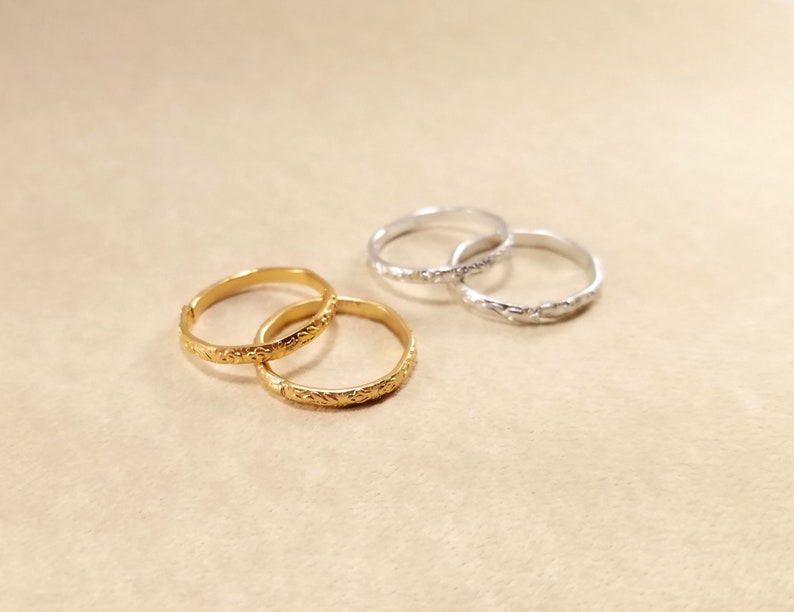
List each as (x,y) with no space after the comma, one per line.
(268,345)
(480,253)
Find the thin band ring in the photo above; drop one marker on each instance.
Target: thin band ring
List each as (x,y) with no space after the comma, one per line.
(262,351)
(545,312)
(494,226)
(339,398)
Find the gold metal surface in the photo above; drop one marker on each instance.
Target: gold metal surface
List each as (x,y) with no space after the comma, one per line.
(349,396)
(275,348)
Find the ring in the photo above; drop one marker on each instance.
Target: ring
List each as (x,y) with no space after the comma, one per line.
(425,218)
(262,351)
(546,312)
(337,398)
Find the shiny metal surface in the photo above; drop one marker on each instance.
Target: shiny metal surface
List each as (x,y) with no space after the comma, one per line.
(484,224)
(544,312)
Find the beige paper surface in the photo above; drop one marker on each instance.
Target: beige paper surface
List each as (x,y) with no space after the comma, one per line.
(637,457)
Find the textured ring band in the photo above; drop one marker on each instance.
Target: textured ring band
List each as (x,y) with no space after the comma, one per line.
(339,398)
(546,312)
(263,351)
(495,228)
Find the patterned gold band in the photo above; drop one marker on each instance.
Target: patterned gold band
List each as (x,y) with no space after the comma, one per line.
(339,398)
(321,315)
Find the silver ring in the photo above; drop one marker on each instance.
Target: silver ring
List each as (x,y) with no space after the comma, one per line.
(496,231)
(546,312)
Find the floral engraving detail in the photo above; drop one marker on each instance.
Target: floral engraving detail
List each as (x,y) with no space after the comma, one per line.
(548,312)
(442,275)
(255,353)
(348,397)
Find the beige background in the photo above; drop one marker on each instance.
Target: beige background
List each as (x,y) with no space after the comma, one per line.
(637,457)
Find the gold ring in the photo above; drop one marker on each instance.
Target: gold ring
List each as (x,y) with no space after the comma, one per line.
(262,351)
(347,396)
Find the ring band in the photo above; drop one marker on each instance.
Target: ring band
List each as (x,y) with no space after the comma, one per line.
(262,351)
(338,398)
(495,226)
(546,312)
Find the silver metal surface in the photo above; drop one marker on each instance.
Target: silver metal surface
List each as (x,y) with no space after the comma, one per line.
(524,314)
(487,226)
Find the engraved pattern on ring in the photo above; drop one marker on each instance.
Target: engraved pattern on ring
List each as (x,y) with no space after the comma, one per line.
(533,314)
(359,394)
